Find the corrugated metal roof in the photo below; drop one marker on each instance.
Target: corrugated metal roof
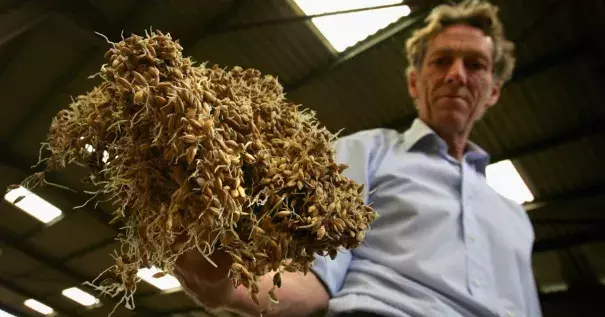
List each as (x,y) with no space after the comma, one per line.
(288,51)
(566,167)
(548,118)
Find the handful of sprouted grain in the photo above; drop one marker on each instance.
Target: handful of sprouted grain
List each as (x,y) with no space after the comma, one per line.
(206,152)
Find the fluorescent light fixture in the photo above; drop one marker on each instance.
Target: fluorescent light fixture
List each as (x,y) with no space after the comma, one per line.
(504,178)
(39,307)
(5,314)
(554,288)
(164,283)
(80,296)
(32,204)
(345,30)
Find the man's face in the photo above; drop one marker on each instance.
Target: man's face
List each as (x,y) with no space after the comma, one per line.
(455,85)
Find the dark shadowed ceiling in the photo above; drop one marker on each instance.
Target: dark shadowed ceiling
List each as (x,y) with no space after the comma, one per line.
(549,122)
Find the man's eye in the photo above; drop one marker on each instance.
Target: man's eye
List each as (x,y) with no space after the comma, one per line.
(440,61)
(475,65)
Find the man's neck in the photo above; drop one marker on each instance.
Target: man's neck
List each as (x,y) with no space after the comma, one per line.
(456,146)
(456,143)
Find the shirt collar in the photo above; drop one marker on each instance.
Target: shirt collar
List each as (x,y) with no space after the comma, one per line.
(420,135)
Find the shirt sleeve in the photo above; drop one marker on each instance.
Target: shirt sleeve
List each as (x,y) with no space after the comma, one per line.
(358,152)
(533,300)
(533,305)
(332,272)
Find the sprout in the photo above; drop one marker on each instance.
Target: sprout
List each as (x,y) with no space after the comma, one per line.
(217,156)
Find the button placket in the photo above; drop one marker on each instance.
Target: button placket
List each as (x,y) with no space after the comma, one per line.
(475,249)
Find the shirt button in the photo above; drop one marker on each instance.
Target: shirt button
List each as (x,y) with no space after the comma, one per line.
(471,238)
(477,283)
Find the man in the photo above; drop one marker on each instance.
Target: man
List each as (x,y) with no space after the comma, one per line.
(446,244)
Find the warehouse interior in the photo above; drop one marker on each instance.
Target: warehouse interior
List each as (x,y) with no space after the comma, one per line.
(549,123)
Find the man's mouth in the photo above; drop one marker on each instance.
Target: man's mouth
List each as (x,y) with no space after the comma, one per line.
(454,97)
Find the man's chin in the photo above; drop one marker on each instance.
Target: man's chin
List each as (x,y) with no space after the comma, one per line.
(451,122)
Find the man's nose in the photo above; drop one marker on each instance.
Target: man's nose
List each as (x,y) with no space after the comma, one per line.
(456,73)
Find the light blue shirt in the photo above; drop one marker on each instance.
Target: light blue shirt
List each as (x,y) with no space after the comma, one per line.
(445,244)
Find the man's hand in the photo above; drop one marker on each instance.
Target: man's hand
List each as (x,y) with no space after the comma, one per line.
(211,287)
(207,284)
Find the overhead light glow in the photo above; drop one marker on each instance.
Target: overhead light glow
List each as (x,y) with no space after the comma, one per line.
(32,204)
(345,30)
(39,307)
(165,283)
(554,288)
(504,178)
(5,314)
(80,296)
(91,149)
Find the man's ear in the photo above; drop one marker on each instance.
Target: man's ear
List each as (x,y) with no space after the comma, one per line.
(413,89)
(494,94)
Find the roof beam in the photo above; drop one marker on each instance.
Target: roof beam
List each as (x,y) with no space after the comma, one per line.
(11,286)
(581,132)
(579,193)
(57,265)
(397,28)
(20,21)
(551,59)
(52,90)
(583,293)
(14,311)
(24,164)
(84,58)
(96,21)
(297,18)
(596,234)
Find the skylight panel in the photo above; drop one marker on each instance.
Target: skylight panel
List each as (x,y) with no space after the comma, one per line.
(345,30)
(504,178)
(32,204)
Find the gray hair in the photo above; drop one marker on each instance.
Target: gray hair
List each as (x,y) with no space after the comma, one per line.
(476,13)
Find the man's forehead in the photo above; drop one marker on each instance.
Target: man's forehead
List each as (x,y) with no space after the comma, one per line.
(461,39)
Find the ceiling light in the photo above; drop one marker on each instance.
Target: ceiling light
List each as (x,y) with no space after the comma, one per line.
(554,288)
(80,296)
(32,204)
(39,307)
(166,282)
(5,314)
(504,178)
(345,30)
